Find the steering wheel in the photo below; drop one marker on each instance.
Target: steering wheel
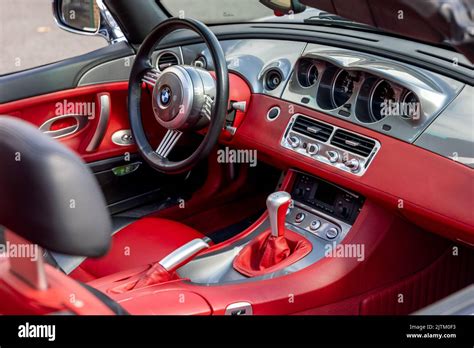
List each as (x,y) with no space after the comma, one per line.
(185,98)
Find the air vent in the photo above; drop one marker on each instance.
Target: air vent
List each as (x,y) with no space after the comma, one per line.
(313,129)
(165,60)
(272,79)
(352,142)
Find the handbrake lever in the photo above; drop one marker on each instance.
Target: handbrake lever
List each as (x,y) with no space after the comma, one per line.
(165,269)
(183,254)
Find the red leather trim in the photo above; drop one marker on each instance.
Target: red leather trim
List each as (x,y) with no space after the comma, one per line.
(448,274)
(266,254)
(141,243)
(333,279)
(430,187)
(171,302)
(37,110)
(155,275)
(18,298)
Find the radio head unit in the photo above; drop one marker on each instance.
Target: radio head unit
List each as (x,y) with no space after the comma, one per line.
(330,199)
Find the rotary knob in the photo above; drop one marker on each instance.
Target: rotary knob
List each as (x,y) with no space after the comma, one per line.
(314,225)
(352,164)
(312,149)
(332,233)
(294,141)
(333,156)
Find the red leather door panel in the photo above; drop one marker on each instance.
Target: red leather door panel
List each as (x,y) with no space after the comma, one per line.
(83,100)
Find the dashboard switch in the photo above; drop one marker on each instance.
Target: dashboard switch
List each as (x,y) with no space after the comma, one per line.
(352,164)
(314,225)
(332,233)
(333,156)
(300,217)
(294,141)
(312,149)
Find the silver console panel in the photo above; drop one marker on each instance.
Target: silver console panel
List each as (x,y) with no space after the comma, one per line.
(216,268)
(326,152)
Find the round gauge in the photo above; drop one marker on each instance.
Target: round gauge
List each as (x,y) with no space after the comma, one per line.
(382,100)
(342,88)
(410,106)
(307,73)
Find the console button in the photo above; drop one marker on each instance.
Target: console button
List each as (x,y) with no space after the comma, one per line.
(294,141)
(300,217)
(314,225)
(332,233)
(353,164)
(312,149)
(333,156)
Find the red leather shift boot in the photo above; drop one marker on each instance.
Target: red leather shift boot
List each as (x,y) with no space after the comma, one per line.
(155,275)
(267,253)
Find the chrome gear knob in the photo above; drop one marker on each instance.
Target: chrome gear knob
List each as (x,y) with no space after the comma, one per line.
(277,205)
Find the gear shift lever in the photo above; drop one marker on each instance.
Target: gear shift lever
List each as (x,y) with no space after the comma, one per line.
(277,205)
(276,248)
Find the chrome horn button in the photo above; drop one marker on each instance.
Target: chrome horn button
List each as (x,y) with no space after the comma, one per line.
(181,97)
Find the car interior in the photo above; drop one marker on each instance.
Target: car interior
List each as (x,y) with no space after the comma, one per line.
(307,166)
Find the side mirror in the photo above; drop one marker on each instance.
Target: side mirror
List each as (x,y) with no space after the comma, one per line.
(284,6)
(77,16)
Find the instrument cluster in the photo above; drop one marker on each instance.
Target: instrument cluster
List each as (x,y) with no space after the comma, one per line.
(347,92)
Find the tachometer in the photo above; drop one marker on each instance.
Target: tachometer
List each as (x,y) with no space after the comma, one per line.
(382,100)
(342,88)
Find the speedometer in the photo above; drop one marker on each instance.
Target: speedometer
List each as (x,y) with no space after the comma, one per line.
(382,100)
(342,88)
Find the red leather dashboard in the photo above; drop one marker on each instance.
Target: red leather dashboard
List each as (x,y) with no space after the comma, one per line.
(430,190)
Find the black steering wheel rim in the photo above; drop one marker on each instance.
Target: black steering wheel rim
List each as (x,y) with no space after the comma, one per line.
(142,64)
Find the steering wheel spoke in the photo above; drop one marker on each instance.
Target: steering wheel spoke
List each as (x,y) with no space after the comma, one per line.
(168,142)
(151,76)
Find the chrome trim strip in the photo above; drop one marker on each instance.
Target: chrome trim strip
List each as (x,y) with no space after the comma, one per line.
(151,76)
(169,141)
(104,114)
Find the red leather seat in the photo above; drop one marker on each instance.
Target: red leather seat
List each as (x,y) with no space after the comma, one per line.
(142,242)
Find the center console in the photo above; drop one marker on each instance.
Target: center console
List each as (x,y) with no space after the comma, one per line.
(321,212)
(307,218)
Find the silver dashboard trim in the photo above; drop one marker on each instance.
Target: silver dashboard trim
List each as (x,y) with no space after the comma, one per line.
(434,91)
(327,146)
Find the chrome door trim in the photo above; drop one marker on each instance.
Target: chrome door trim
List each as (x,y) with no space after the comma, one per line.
(81,122)
(104,115)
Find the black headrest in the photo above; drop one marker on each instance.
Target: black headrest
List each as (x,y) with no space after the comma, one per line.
(48,195)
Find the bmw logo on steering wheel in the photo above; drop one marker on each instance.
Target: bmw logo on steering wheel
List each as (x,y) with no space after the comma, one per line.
(165,95)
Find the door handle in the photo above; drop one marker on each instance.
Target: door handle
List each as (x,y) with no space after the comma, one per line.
(80,122)
(104,115)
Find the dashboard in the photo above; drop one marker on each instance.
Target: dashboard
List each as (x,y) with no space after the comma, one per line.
(409,103)
(332,112)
